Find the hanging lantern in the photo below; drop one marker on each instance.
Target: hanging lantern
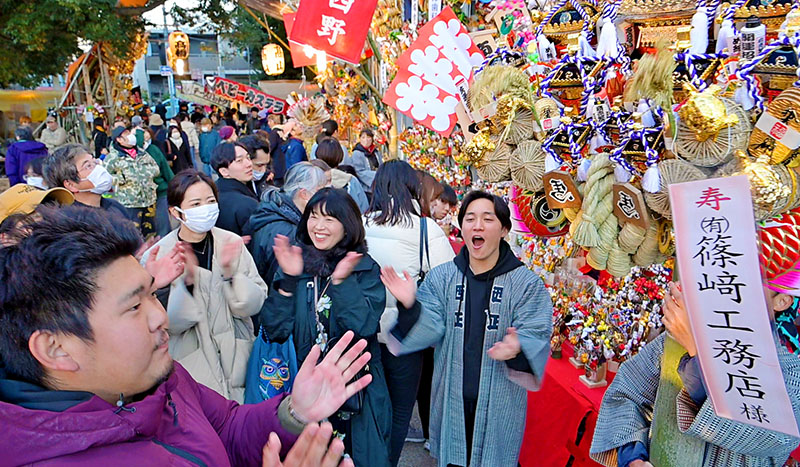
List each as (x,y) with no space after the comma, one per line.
(322,61)
(178,52)
(272,59)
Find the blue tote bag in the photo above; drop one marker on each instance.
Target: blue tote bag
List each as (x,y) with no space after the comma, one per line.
(271,369)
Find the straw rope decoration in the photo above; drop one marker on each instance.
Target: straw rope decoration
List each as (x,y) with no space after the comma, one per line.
(714,151)
(527,166)
(648,251)
(495,167)
(597,204)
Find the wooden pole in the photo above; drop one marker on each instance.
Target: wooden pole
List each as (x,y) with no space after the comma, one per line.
(266,26)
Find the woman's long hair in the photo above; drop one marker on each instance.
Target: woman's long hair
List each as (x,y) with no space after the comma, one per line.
(338,204)
(394,191)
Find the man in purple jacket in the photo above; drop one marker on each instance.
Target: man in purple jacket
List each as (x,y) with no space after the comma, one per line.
(20,153)
(86,378)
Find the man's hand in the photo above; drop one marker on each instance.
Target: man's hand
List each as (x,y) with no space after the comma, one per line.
(320,389)
(166,269)
(676,319)
(639,463)
(310,450)
(506,349)
(345,267)
(289,257)
(403,288)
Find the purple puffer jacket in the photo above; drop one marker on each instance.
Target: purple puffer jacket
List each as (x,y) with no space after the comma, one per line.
(182,423)
(18,155)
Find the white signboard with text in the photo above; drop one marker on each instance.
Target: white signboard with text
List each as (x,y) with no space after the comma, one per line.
(718,261)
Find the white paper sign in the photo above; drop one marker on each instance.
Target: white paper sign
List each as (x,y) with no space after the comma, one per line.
(718,260)
(782,132)
(414,13)
(434,8)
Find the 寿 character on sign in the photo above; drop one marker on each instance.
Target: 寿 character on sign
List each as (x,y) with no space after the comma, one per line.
(343,5)
(627,205)
(332,28)
(712,197)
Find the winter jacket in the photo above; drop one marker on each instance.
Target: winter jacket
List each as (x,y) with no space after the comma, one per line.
(237,202)
(398,246)
(101,141)
(356,304)
(276,215)
(134,177)
(278,157)
(208,141)
(18,155)
(53,139)
(180,158)
(191,133)
(350,183)
(182,423)
(165,173)
(365,163)
(211,333)
(294,151)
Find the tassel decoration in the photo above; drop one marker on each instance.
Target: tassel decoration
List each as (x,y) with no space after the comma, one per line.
(699,33)
(583,169)
(621,173)
(607,42)
(651,181)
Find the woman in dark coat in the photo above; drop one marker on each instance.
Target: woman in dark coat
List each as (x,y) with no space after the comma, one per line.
(325,287)
(177,151)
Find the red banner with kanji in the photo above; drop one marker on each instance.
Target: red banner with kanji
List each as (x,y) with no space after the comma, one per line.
(300,57)
(432,72)
(247,95)
(337,27)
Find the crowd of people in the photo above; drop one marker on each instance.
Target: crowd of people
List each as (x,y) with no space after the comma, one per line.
(199,239)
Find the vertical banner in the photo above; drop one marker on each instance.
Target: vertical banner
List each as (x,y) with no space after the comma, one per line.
(337,27)
(718,259)
(434,8)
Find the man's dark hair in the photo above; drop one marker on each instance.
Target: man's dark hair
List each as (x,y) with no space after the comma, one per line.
(329,127)
(253,143)
(196,117)
(330,151)
(500,207)
(448,195)
(254,109)
(176,189)
(23,133)
(35,164)
(224,154)
(182,117)
(366,131)
(336,203)
(394,190)
(60,166)
(48,280)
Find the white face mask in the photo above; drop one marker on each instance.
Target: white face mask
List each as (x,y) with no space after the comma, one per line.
(201,218)
(38,182)
(146,144)
(101,180)
(258,175)
(131,140)
(206,129)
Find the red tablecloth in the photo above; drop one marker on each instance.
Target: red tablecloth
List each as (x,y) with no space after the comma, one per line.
(555,414)
(553,429)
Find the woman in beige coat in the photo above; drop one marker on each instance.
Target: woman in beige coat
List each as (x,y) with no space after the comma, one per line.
(210,305)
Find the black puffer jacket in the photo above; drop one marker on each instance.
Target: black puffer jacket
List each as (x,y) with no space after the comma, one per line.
(276,215)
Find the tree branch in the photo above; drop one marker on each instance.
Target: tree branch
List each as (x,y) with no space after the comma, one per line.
(141,10)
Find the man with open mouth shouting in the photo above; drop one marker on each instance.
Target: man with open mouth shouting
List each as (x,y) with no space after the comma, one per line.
(490,320)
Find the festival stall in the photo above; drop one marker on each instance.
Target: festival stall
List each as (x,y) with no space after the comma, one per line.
(587,116)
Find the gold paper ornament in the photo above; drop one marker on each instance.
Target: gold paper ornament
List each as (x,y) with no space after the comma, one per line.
(705,113)
(765,184)
(474,152)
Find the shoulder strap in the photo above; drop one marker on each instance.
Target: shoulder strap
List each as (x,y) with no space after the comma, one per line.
(423,243)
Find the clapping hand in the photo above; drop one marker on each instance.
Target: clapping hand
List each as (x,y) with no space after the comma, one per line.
(310,450)
(506,349)
(676,319)
(320,389)
(166,269)
(288,256)
(190,264)
(230,252)
(403,288)
(345,267)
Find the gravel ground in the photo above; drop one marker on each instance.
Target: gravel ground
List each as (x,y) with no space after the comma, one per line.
(414,454)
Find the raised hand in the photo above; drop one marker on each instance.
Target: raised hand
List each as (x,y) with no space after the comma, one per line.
(676,319)
(310,450)
(191,264)
(166,269)
(345,267)
(320,389)
(144,247)
(288,256)
(506,349)
(230,251)
(403,288)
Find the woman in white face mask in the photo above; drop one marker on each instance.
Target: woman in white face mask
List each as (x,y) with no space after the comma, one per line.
(210,305)
(178,153)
